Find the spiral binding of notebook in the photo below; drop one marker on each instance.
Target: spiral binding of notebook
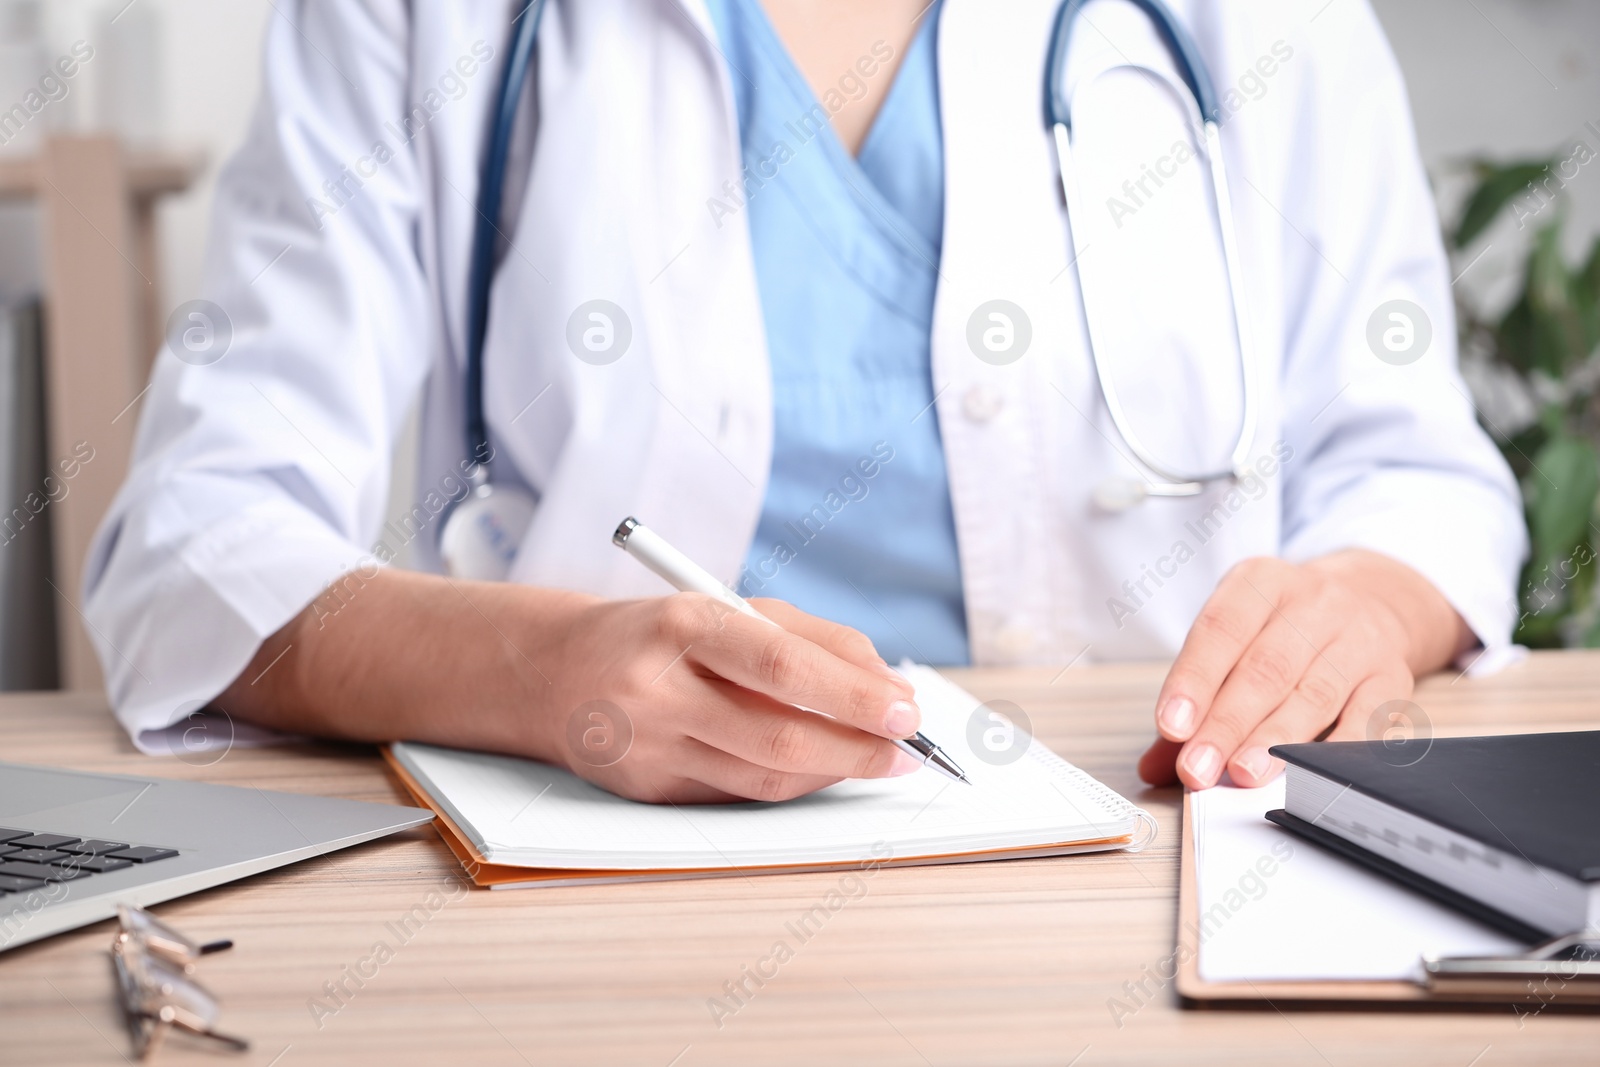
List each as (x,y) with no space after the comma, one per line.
(1088,784)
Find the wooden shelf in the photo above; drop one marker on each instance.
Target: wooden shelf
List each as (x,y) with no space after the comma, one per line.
(102,330)
(148,174)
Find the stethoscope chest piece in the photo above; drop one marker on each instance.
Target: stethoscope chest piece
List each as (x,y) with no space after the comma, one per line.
(1116,495)
(481,538)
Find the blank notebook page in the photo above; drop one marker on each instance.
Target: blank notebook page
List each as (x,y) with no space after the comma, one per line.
(522,813)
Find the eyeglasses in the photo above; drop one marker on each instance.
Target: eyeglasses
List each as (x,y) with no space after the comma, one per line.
(154,964)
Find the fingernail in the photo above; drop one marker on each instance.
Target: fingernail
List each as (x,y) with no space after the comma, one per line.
(1255,762)
(902,719)
(1177,717)
(904,763)
(1204,763)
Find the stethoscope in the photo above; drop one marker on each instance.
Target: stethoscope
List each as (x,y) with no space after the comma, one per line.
(484,530)
(1120,494)
(481,537)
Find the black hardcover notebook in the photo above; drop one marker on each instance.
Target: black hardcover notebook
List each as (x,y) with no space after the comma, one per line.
(1505,828)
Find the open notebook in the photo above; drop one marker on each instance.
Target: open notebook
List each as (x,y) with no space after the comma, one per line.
(513,822)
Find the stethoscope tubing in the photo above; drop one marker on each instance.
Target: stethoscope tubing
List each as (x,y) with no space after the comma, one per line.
(1058,118)
(1207,119)
(1179,483)
(486,224)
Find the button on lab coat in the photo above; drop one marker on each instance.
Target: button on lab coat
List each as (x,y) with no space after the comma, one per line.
(339,255)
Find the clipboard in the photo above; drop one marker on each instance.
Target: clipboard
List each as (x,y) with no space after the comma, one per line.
(1528,983)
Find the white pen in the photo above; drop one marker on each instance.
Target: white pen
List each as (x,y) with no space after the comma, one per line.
(685,575)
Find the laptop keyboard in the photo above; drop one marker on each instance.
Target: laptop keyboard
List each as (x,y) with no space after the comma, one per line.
(29,860)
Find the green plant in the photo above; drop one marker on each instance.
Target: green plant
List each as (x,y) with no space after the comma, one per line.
(1547,346)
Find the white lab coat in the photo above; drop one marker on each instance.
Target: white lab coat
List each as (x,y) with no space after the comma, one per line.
(260,478)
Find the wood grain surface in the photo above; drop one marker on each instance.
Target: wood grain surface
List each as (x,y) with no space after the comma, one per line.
(995,963)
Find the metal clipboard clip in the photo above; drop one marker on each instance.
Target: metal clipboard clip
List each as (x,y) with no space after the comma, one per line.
(1563,968)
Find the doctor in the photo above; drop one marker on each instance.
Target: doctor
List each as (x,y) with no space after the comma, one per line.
(814,289)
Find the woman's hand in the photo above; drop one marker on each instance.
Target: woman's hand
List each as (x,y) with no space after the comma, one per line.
(675,699)
(1284,652)
(683,699)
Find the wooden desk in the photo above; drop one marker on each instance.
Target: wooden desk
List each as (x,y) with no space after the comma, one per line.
(978,964)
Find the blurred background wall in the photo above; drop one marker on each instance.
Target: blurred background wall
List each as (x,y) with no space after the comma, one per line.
(208,66)
(1496,78)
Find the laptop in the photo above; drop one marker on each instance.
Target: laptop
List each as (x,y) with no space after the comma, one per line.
(74,845)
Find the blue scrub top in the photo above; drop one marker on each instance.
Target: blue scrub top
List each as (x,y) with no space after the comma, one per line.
(857,523)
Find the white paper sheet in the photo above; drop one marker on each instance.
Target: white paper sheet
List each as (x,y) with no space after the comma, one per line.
(1276,908)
